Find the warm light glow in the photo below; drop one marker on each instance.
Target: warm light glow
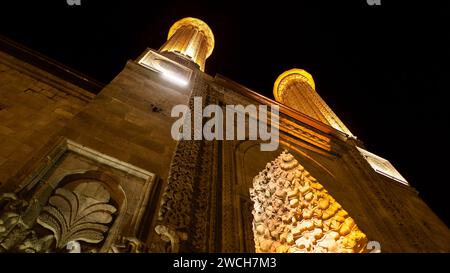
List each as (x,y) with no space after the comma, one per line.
(174,78)
(198,24)
(190,51)
(382,166)
(168,69)
(286,77)
(294,213)
(191,38)
(295,88)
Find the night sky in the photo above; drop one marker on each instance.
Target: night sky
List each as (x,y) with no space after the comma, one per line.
(382,69)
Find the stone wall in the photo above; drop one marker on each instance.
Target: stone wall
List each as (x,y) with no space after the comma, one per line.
(34,106)
(387,211)
(129,120)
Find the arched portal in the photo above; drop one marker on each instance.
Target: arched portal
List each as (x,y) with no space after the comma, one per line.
(294,213)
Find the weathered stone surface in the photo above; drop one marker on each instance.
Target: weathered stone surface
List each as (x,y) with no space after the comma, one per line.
(33,111)
(130,120)
(305,229)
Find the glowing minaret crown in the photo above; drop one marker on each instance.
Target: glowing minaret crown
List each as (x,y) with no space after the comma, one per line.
(296,89)
(191,38)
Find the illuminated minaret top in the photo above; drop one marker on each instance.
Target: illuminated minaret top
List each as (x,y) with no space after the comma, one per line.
(192,39)
(296,88)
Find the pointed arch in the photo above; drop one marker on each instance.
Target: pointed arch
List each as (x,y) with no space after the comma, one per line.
(293,212)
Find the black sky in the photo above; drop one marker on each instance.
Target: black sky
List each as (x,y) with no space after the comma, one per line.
(382,69)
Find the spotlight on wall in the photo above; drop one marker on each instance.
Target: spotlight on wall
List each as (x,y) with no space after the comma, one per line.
(382,166)
(174,78)
(168,69)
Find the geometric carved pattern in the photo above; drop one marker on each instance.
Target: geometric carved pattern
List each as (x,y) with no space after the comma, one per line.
(294,213)
(78,215)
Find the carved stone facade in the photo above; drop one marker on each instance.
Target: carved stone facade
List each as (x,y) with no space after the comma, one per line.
(294,213)
(184,218)
(101,173)
(82,202)
(76,215)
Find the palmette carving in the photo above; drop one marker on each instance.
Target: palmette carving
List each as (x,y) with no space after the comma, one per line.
(78,215)
(294,213)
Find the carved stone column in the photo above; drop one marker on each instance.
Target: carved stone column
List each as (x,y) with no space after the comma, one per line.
(182,221)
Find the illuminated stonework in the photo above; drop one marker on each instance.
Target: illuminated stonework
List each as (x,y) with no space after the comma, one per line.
(296,89)
(192,38)
(168,69)
(286,77)
(294,213)
(147,192)
(382,166)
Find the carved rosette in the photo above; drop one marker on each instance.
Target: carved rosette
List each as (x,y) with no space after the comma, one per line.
(294,213)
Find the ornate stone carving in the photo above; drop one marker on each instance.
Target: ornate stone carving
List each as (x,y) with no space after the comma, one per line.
(73,247)
(14,234)
(176,200)
(129,245)
(294,213)
(74,216)
(78,215)
(33,244)
(171,236)
(202,200)
(301,132)
(182,214)
(387,201)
